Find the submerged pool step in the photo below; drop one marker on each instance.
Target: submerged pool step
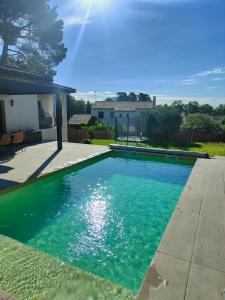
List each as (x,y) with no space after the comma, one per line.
(159,151)
(26,273)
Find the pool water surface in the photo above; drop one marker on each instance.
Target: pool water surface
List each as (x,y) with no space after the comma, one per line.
(107,217)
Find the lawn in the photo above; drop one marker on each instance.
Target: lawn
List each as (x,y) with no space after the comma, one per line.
(210,148)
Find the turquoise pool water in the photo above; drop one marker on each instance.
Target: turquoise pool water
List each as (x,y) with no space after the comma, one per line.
(107,217)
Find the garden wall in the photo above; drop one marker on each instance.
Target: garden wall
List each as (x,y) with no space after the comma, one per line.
(79,135)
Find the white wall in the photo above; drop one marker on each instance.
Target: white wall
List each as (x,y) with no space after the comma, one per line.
(23,115)
(107,115)
(47,102)
(111,121)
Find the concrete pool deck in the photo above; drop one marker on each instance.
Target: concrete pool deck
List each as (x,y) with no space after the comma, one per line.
(44,158)
(190,260)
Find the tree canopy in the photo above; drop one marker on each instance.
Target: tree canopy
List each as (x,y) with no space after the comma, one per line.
(31,34)
(123,96)
(162,121)
(78,106)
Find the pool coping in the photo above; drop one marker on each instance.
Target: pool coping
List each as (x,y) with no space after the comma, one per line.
(158,151)
(188,263)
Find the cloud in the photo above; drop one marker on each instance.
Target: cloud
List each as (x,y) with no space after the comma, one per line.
(76,20)
(189,81)
(194,79)
(215,71)
(219,79)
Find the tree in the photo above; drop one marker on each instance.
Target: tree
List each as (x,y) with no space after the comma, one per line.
(110,99)
(192,107)
(132,97)
(200,123)
(77,106)
(88,107)
(31,35)
(206,109)
(143,97)
(121,96)
(162,122)
(220,110)
(179,105)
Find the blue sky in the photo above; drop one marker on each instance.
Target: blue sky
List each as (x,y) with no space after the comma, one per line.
(170,48)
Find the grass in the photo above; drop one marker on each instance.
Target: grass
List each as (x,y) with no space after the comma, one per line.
(211,148)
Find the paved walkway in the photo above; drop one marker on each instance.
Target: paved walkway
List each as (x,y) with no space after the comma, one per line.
(43,158)
(190,261)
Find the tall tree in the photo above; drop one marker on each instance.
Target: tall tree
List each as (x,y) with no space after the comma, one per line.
(179,105)
(132,97)
(121,96)
(31,34)
(220,110)
(88,107)
(206,109)
(192,107)
(143,97)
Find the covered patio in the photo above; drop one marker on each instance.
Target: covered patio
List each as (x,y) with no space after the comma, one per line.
(14,81)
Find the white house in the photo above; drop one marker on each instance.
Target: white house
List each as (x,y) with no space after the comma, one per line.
(107,111)
(28,103)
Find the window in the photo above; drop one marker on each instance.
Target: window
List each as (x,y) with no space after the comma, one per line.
(127,115)
(112,114)
(101,115)
(120,115)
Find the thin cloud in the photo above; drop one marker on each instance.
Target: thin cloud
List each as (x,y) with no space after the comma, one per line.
(215,71)
(219,79)
(189,81)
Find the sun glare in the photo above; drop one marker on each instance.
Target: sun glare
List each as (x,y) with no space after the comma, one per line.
(94,3)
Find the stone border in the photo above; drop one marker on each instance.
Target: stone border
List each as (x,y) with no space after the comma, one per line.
(160,151)
(190,262)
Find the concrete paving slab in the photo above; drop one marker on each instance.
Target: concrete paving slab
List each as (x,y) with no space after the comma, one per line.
(209,247)
(214,195)
(179,237)
(165,279)
(205,284)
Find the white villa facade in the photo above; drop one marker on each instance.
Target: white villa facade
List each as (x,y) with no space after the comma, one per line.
(32,112)
(107,111)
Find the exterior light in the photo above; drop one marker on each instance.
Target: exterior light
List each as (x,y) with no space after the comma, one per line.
(12,102)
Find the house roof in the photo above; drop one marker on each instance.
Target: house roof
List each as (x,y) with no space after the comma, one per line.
(15,81)
(79,119)
(125,105)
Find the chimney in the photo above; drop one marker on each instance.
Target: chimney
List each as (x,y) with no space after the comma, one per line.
(154,101)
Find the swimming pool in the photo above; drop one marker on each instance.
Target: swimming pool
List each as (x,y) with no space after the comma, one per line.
(106,216)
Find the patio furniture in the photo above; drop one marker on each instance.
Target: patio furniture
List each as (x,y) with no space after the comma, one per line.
(5,139)
(18,139)
(33,137)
